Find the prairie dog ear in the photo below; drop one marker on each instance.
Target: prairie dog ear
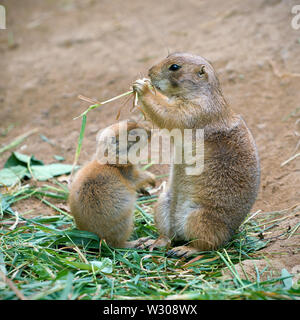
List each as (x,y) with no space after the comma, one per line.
(201,72)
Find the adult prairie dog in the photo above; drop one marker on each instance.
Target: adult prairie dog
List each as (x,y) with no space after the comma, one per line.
(206,209)
(102,196)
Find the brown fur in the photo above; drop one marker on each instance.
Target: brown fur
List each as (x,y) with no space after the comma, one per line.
(206,209)
(102,197)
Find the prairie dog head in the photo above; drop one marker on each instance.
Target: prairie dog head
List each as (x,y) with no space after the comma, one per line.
(184,75)
(114,142)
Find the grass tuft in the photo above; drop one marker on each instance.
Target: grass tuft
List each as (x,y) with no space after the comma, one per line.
(46,257)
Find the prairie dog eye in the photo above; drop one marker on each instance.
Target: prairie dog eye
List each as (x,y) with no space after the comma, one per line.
(174,67)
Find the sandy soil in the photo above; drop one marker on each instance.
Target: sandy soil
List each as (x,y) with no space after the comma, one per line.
(54,50)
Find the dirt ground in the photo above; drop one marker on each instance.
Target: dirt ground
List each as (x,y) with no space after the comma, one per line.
(54,50)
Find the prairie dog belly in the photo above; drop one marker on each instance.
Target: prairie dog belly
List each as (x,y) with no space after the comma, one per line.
(181,203)
(183,210)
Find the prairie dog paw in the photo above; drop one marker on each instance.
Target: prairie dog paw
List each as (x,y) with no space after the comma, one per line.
(141,85)
(182,251)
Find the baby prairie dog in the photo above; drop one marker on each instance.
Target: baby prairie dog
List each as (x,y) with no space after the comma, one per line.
(206,209)
(102,196)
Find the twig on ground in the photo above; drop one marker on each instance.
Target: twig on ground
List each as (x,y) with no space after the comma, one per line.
(280,74)
(290,159)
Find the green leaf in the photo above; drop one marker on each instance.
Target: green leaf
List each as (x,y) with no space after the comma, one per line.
(4,205)
(43,173)
(16,168)
(58,158)
(17,158)
(11,176)
(288,281)
(105,265)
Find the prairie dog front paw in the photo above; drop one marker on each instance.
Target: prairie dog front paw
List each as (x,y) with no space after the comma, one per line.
(141,85)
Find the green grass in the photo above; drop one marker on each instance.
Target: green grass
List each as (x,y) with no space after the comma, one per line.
(46,257)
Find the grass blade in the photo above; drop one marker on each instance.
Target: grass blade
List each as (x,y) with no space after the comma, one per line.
(18,140)
(67,290)
(79,145)
(97,105)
